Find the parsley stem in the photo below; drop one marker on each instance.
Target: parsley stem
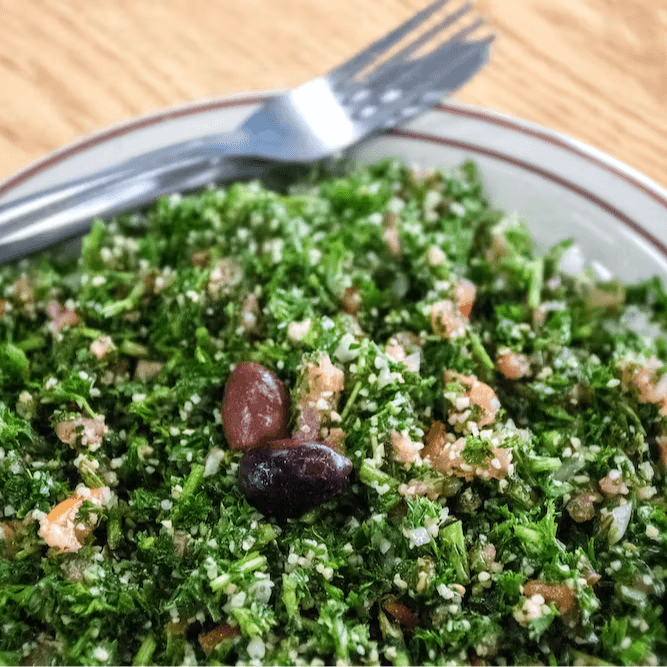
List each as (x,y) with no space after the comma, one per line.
(14,361)
(145,652)
(132,349)
(451,538)
(401,659)
(536,282)
(32,342)
(374,444)
(114,531)
(87,332)
(289,596)
(370,475)
(586,659)
(633,418)
(193,482)
(190,487)
(247,620)
(128,303)
(89,475)
(84,405)
(479,351)
(544,463)
(252,562)
(27,552)
(350,401)
(220,581)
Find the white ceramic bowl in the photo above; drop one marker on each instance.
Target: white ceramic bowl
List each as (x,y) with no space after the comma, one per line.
(560,187)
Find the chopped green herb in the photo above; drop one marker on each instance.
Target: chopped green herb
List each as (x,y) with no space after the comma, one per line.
(506,421)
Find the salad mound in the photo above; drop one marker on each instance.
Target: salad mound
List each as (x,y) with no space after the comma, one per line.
(498,419)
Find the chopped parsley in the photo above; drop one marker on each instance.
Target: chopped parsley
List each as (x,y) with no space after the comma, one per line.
(507,423)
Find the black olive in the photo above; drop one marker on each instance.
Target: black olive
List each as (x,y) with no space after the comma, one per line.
(286,482)
(255,406)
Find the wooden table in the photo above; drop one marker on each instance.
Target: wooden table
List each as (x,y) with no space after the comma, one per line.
(594,69)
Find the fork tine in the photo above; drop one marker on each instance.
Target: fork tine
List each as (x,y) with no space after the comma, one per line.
(477,56)
(404,53)
(434,74)
(450,19)
(350,67)
(458,36)
(472,50)
(398,69)
(461,60)
(447,57)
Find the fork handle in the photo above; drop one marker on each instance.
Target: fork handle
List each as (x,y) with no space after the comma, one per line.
(64,212)
(176,157)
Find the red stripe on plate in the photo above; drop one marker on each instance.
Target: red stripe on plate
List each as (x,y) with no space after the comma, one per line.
(549,138)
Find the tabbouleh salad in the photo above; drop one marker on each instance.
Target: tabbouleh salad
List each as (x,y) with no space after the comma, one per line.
(506,422)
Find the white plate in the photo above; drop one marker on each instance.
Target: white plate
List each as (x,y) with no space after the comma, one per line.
(560,187)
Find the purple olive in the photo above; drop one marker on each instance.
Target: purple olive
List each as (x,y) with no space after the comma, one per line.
(287,482)
(255,407)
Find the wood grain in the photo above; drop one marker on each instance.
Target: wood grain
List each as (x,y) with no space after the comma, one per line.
(594,69)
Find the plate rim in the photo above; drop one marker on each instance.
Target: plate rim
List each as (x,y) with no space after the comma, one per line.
(566,142)
(510,122)
(599,160)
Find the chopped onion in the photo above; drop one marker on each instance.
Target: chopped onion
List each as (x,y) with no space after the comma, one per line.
(620,520)
(343,352)
(213,461)
(573,261)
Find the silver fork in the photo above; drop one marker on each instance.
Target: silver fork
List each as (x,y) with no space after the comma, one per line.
(374,90)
